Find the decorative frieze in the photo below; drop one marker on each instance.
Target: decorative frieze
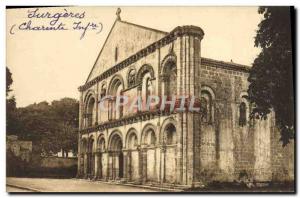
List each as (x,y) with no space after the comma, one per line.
(225,65)
(141,116)
(177,32)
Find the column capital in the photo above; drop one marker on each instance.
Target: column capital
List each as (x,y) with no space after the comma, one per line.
(163,148)
(163,77)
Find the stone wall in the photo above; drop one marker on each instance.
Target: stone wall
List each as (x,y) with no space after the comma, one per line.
(230,151)
(57,162)
(20,149)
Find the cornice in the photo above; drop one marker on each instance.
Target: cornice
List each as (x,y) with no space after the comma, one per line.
(224,65)
(173,35)
(141,116)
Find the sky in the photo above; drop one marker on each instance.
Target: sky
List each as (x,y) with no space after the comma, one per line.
(50,65)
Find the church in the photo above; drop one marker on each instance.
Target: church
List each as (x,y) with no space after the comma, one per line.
(219,143)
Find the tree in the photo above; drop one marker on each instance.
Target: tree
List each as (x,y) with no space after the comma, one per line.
(36,124)
(51,127)
(9,81)
(65,112)
(11,109)
(271,77)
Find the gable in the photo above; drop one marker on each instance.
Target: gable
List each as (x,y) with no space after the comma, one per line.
(125,38)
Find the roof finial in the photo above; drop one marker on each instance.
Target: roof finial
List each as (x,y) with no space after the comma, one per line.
(118,14)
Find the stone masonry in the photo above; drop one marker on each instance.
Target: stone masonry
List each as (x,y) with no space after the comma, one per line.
(186,148)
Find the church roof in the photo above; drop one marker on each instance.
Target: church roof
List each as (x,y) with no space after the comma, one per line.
(224,64)
(144,27)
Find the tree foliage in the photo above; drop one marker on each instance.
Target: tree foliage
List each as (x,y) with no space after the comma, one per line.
(11,108)
(9,81)
(271,77)
(51,127)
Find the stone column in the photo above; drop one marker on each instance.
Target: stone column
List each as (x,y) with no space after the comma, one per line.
(163,81)
(81,108)
(141,164)
(85,165)
(88,165)
(109,116)
(144,161)
(110,167)
(100,166)
(125,165)
(162,163)
(92,165)
(107,165)
(97,104)
(188,71)
(139,94)
(96,165)
(129,166)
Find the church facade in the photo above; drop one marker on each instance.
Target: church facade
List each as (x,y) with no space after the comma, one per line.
(186,148)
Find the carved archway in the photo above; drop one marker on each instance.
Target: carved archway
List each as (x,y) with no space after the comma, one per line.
(91,157)
(116,171)
(207,105)
(168,60)
(132,159)
(142,71)
(149,142)
(115,88)
(114,83)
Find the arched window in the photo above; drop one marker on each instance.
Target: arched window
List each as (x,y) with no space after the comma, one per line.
(170,135)
(206,107)
(90,145)
(144,78)
(149,137)
(146,87)
(116,54)
(132,141)
(172,81)
(101,144)
(243,110)
(243,114)
(170,78)
(90,111)
(103,91)
(131,78)
(119,111)
(83,146)
(115,89)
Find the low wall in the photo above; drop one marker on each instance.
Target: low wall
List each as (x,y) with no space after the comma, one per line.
(58,162)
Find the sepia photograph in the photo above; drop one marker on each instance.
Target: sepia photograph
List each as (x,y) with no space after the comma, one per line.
(150,99)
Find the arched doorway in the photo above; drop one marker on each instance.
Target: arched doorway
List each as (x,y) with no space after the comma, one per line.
(149,142)
(133,156)
(83,157)
(170,142)
(116,160)
(91,158)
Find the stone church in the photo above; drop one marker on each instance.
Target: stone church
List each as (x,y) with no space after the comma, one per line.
(163,147)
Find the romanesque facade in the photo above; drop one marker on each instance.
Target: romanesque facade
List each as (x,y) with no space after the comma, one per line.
(182,148)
